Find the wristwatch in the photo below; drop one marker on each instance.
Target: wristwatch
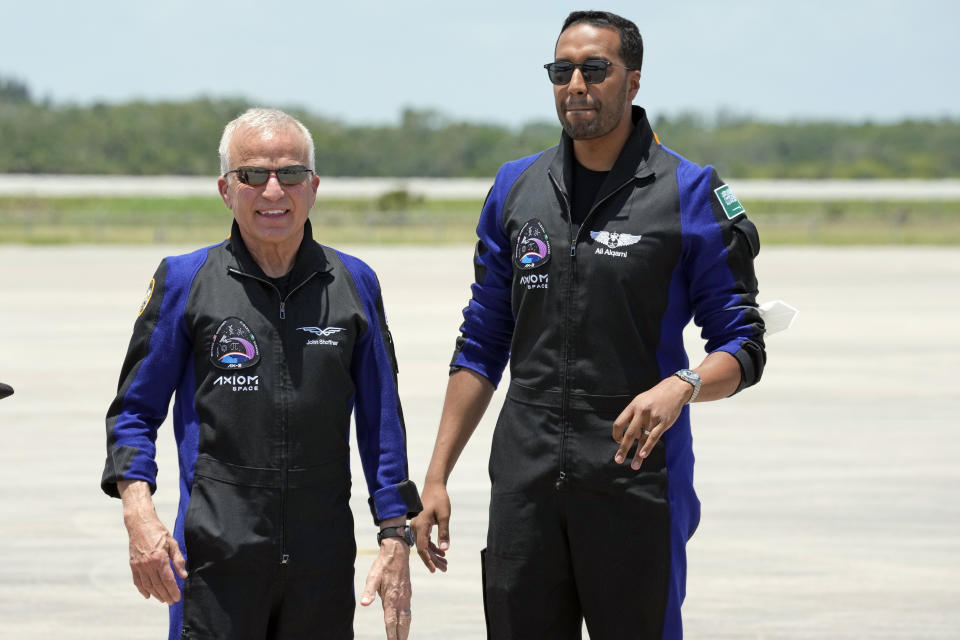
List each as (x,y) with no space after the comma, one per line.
(693,378)
(403,532)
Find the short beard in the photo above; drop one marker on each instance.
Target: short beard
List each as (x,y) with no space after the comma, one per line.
(600,126)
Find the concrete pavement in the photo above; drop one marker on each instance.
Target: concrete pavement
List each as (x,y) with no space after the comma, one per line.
(348,188)
(831,506)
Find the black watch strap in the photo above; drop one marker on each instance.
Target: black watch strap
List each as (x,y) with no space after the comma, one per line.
(404,532)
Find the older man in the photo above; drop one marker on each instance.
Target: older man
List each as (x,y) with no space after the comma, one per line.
(592,257)
(268,340)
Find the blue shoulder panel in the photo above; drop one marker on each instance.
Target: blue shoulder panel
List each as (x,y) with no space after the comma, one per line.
(153,369)
(488,321)
(714,293)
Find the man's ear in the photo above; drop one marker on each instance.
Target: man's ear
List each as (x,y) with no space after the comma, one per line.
(223,187)
(633,85)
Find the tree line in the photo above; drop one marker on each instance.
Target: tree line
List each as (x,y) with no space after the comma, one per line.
(180,138)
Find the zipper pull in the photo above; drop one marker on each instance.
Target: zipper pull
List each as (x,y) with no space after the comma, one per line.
(562,480)
(285,559)
(573,250)
(283,312)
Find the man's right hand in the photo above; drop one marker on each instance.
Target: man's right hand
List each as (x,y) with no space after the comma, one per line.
(436,511)
(152,548)
(467,397)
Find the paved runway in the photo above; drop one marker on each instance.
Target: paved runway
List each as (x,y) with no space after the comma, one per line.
(41,185)
(831,492)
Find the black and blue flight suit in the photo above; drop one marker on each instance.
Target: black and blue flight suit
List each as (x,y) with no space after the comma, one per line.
(589,316)
(265,384)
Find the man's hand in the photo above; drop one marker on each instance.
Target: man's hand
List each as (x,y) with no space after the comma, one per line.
(647,418)
(467,397)
(436,511)
(650,414)
(390,577)
(152,548)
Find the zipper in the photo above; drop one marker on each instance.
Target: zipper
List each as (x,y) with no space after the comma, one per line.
(564,387)
(561,481)
(586,219)
(568,301)
(283,300)
(284,463)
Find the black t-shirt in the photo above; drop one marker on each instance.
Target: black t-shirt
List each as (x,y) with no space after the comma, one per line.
(282,284)
(586,184)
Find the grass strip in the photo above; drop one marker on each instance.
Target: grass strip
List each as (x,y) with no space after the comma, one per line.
(398,218)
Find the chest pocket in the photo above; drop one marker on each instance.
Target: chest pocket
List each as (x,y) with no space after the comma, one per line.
(322,351)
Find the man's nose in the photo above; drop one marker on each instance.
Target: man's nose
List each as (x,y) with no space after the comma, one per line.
(577,84)
(273,190)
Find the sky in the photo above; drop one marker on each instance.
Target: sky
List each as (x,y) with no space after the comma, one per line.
(482,61)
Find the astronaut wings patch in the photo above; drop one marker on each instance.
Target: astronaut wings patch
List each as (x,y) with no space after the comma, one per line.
(614,242)
(612,239)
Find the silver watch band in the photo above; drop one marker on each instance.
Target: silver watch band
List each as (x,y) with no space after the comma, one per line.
(692,378)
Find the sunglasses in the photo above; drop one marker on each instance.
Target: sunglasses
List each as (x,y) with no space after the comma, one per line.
(256,176)
(593,71)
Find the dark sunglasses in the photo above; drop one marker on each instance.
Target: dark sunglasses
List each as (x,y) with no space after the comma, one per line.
(256,176)
(593,71)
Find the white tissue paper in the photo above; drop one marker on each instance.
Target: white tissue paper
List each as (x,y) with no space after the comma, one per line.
(777,315)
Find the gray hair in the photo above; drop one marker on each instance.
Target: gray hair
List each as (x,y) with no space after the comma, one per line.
(268,121)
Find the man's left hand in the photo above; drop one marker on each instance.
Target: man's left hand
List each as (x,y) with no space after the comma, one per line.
(647,418)
(390,577)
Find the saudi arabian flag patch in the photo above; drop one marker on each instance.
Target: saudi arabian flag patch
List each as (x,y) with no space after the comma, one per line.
(731,206)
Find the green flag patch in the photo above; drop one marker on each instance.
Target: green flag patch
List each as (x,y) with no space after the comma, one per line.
(731,206)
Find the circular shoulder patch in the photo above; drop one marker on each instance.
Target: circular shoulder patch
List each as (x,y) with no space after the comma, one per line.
(234,346)
(533,246)
(146,298)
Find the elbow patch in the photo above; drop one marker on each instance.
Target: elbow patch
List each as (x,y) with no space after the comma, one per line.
(746,232)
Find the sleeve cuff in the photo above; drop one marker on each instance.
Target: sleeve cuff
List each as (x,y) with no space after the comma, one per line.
(126,463)
(463,358)
(395,500)
(109,484)
(751,358)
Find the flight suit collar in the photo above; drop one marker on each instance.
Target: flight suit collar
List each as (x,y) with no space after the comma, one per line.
(632,163)
(311,257)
